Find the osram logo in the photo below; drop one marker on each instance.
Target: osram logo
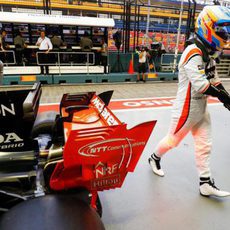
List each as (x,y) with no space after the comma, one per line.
(95,148)
(105,113)
(10,140)
(4,110)
(149,103)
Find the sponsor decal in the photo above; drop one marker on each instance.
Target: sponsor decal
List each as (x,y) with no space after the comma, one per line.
(10,140)
(102,170)
(106,182)
(202,72)
(96,148)
(148,103)
(200,67)
(104,112)
(133,104)
(4,110)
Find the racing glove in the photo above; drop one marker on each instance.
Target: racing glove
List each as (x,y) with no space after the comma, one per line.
(221,94)
(220,86)
(227,106)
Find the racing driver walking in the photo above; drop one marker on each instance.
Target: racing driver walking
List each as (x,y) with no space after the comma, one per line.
(197,79)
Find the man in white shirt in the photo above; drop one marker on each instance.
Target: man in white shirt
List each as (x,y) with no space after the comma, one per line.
(45,46)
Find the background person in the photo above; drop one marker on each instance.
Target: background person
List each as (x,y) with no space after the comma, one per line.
(197,79)
(56,41)
(20,46)
(86,45)
(3,46)
(104,54)
(142,63)
(1,73)
(3,43)
(45,46)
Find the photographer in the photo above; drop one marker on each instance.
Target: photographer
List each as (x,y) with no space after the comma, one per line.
(142,63)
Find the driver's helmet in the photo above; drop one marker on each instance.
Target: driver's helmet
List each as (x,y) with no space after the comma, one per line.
(213,26)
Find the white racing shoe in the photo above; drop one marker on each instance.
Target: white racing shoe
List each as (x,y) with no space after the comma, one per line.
(154,162)
(208,188)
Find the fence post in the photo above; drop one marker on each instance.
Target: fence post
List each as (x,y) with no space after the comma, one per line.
(87,63)
(59,64)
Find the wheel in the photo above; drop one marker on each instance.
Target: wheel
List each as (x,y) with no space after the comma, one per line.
(99,206)
(44,124)
(52,212)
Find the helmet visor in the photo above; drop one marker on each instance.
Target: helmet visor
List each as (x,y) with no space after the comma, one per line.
(223,32)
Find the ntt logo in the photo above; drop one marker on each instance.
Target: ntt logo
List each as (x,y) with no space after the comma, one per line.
(94,149)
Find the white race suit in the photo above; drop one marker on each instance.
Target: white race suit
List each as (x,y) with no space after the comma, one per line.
(189,111)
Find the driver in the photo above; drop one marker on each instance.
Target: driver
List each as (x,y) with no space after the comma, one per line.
(197,79)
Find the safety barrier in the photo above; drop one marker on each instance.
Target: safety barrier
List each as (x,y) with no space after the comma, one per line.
(65,59)
(223,68)
(66,67)
(167,62)
(8,57)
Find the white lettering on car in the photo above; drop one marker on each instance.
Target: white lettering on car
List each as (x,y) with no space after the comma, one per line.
(4,110)
(105,113)
(10,140)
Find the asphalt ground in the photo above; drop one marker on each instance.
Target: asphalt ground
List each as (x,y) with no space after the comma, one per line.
(146,201)
(53,93)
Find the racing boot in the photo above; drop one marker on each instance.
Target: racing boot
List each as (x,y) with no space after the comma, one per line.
(154,162)
(208,188)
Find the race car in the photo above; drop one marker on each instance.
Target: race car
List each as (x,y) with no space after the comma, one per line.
(52,164)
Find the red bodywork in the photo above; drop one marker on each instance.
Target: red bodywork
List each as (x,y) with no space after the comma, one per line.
(99,149)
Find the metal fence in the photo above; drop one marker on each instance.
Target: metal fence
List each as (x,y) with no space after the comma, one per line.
(168,59)
(65,59)
(53,59)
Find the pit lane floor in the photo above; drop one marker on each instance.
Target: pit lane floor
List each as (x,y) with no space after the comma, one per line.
(149,202)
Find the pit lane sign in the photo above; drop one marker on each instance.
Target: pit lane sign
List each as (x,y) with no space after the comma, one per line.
(131,104)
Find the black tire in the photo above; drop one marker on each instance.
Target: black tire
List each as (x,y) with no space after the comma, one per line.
(52,212)
(44,124)
(99,206)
